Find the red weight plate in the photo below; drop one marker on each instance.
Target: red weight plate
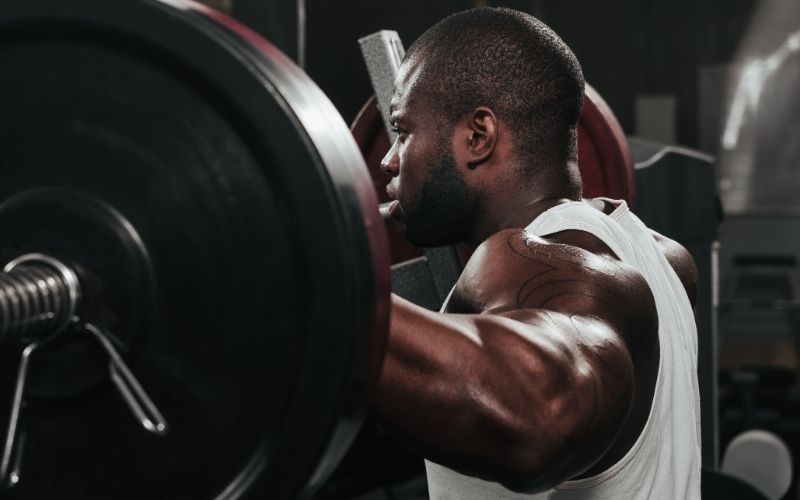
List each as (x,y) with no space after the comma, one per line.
(604,156)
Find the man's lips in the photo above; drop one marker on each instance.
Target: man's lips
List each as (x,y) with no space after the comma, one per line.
(394,210)
(391,211)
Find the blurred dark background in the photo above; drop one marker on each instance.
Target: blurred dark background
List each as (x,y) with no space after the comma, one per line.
(628,48)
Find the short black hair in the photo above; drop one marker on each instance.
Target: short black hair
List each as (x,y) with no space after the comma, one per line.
(514,64)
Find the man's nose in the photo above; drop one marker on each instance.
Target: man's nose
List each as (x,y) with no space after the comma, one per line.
(390,164)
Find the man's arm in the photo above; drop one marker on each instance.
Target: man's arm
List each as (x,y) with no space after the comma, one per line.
(527,398)
(523,395)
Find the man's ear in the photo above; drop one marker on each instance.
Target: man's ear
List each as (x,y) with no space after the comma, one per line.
(482,136)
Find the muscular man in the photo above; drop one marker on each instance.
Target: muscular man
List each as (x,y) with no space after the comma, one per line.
(564,361)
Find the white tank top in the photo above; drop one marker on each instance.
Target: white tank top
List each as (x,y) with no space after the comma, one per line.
(664,462)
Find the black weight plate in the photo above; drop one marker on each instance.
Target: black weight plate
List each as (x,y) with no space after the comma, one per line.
(117,291)
(257,220)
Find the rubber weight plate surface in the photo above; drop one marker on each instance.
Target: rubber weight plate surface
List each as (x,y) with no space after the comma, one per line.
(173,156)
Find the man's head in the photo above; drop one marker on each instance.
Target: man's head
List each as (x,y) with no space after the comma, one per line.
(505,80)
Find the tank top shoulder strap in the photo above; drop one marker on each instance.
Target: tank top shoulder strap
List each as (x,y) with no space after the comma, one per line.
(582,216)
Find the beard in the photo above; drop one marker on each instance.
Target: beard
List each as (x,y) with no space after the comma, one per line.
(446,209)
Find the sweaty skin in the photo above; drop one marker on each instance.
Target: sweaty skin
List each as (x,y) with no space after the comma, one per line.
(543,366)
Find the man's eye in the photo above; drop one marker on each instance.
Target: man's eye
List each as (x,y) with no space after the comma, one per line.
(399,131)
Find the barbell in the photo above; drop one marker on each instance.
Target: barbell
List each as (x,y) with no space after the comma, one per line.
(195,295)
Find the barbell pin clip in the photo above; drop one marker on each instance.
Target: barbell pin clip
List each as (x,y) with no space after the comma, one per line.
(132,392)
(12,449)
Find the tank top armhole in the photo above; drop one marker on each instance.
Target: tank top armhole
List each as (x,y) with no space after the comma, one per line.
(554,223)
(622,462)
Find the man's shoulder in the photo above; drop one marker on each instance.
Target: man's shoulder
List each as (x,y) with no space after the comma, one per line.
(681,260)
(570,272)
(571,252)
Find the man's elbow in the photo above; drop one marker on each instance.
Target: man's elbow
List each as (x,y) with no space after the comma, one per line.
(576,436)
(530,475)
(532,469)
(540,455)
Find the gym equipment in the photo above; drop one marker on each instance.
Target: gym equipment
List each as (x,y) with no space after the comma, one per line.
(231,264)
(761,459)
(716,484)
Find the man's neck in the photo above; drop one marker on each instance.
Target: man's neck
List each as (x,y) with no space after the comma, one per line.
(515,214)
